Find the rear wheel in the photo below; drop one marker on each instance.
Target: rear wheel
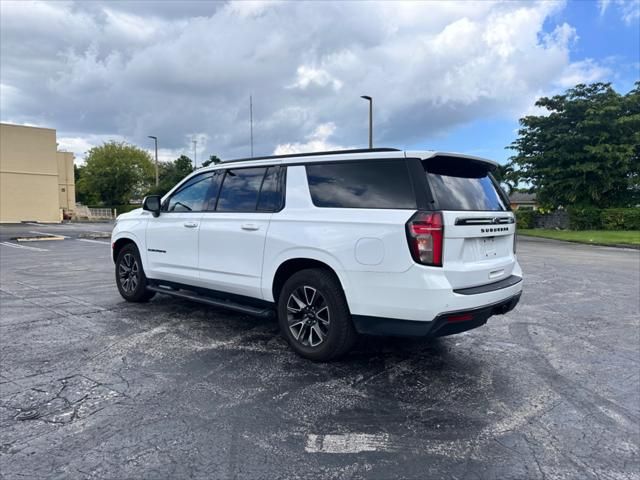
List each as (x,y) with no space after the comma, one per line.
(130,277)
(314,316)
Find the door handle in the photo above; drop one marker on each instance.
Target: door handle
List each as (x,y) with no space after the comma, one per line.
(250,226)
(191,224)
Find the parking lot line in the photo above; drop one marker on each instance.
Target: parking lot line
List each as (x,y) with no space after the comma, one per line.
(15,245)
(92,241)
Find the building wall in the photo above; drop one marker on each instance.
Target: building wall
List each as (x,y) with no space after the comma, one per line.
(28,174)
(66,181)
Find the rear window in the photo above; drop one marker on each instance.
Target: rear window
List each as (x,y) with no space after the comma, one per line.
(361,184)
(459,184)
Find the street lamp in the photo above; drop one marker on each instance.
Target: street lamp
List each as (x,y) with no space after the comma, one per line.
(156,142)
(367,97)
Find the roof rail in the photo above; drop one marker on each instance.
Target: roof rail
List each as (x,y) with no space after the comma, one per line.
(311,154)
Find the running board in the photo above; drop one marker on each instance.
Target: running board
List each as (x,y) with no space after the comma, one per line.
(236,307)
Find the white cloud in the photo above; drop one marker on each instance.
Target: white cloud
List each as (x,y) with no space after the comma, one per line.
(629,10)
(313,76)
(318,141)
(80,145)
(584,71)
(97,70)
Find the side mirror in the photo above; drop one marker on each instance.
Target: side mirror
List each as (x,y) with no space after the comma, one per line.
(151,203)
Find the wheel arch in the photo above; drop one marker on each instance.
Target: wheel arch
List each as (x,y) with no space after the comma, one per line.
(118,244)
(296,264)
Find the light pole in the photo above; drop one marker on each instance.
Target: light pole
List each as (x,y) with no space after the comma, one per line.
(155,139)
(367,97)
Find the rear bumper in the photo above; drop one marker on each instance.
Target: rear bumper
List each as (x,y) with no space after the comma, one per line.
(447,323)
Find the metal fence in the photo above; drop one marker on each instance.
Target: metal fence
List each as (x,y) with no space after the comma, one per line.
(102,213)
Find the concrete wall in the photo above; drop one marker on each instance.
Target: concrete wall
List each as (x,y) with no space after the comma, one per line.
(66,181)
(28,174)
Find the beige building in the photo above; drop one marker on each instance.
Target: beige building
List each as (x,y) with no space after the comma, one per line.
(36,181)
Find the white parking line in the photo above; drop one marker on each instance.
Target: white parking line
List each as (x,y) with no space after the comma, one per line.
(48,234)
(93,241)
(348,443)
(15,245)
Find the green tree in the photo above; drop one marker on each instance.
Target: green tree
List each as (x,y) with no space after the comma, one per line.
(212,159)
(171,173)
(506,177)
(114,173)
(585,151)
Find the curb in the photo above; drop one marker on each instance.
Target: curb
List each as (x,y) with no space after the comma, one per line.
(596,244)
(38,238)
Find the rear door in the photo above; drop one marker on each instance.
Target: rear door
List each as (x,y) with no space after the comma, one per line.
(479,227)
(232,236)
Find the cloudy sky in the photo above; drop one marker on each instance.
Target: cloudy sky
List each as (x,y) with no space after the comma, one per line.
(444,75)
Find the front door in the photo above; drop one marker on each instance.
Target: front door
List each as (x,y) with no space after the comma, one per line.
(172,237)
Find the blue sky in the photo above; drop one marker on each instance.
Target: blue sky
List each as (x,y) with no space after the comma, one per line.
(604,37)
(444,75)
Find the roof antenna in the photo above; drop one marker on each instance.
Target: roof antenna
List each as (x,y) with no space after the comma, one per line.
(251,121)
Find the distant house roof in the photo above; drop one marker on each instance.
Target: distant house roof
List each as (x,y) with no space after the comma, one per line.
(519,197)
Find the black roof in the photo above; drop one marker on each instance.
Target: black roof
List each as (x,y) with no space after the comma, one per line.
(311,154)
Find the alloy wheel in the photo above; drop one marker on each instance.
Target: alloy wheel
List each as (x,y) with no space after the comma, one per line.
(129,273)
(308,316)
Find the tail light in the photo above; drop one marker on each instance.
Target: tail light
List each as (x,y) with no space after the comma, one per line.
(425,232)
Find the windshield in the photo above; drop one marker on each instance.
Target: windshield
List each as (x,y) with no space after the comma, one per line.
(460,184)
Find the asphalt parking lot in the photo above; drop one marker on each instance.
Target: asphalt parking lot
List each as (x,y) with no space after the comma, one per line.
(173,389)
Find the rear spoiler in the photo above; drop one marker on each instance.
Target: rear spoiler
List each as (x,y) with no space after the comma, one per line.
(488,164)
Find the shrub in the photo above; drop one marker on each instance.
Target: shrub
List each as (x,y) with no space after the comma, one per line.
(524,218)
(585,219)
(620,219)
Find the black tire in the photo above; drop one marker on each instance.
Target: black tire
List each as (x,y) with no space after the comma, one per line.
(322,329)
(130,277)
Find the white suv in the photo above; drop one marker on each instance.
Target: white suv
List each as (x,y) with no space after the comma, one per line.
(377,241)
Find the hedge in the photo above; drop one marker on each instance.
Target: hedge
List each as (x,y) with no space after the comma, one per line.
(604,219)
(585,219)
(620,219)
(525,218)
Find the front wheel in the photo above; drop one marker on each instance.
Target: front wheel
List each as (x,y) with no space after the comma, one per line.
(130,277)
(314,316)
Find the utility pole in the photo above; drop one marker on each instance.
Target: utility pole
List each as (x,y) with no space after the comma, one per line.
(367,97)
(251,121)
(195,154)
(155,139)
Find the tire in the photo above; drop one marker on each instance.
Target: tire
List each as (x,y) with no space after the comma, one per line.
(130,277)
(314,316)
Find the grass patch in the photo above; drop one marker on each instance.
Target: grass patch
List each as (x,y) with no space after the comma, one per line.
(597,237)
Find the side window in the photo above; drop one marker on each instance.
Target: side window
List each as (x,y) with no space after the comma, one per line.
(240,189)
(361,184)
(270,194)
(192,196)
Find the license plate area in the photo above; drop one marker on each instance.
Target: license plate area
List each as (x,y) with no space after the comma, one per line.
(488,247)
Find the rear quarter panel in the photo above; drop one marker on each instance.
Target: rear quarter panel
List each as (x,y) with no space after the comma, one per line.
(346,239)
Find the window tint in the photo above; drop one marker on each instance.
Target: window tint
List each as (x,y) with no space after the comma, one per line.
(458,184)
(212,196)
(240,190)
(270,194)
(361,184)
(192,195)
